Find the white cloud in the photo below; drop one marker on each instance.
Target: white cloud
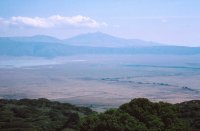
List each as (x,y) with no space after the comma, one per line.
(52,21)
(35,22)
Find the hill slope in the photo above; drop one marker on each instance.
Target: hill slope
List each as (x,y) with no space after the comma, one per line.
(36,38)
(143,115)
(40,114)
(95,43)
(138,115)
(99,39)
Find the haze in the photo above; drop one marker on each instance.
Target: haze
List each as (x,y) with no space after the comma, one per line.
(100,54)
(170,21)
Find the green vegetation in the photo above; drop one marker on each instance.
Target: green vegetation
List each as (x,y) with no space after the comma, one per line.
(137,115)
(156,116)
(40,115)
(190,112)
(111,120)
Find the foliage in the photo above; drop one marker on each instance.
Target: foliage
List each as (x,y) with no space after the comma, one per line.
(40,114)
(190,112)
(111,120)
(156,116)
(138,115)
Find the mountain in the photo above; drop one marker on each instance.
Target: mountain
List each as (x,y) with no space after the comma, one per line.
(26,47)
(92,43)
(99,39)
(36,38)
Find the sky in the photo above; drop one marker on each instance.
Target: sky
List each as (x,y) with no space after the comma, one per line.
(175,22)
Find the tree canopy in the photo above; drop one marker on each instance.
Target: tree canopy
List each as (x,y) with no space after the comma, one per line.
(138,115)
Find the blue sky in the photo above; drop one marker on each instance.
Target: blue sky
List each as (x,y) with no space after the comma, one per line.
(167,21)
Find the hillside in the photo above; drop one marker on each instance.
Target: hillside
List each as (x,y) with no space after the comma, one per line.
(36,38)
(93,43)
(99,39)
(137,115)
(40,114)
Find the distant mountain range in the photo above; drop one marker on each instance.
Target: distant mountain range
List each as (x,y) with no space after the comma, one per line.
(36,38)
(99,39)
(91,43)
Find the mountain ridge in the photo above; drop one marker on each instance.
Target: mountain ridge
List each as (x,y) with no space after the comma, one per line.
(34,38)
(96,39)
(99,39)
(47,46)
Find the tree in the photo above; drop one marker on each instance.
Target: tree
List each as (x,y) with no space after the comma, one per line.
(111,120)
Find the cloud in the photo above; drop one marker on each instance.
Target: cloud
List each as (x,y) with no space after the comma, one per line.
(52,21)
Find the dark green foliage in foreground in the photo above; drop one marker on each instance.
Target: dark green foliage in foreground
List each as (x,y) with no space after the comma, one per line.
(156,116)
(143,115)
(111,120)
(137,115)
(190,112)
(41,114)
